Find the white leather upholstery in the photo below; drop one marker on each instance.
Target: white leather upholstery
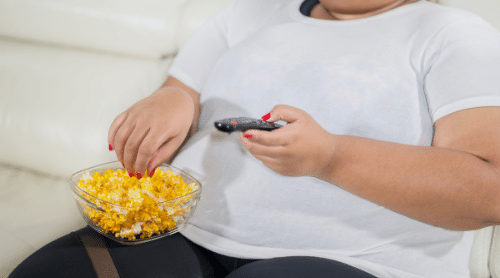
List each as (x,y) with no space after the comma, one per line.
(494,263)
(487,9)
(57,104)
(35,208)
(480,254)
(148,28)
(67,68)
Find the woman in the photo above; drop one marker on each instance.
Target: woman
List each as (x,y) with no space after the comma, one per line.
(390,149)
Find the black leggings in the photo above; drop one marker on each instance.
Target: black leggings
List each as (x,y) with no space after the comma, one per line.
(173,256)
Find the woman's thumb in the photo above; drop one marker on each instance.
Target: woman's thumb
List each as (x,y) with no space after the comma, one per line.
(285,113)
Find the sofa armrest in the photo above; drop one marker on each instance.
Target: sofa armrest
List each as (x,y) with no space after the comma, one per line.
(495,253)
(479,256)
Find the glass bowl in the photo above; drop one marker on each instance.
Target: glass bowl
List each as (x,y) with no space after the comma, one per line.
(171,216)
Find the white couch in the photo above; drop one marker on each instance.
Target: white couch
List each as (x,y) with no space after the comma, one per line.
(67,68)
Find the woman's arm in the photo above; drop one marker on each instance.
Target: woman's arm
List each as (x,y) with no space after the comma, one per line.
(152,130)
(195,96)
(454,184)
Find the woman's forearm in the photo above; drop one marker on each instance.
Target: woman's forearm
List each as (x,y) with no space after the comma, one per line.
(195,96)
(443,187)
(173,83)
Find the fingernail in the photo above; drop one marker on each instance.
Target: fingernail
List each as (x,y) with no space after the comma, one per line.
(110,147)
(123,165)
(266,117)
(152,172)
(130,175)
(138,175)
(247,135)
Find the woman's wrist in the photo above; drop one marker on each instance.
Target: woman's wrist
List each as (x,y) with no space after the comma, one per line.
(172,91)
(328,158)
(181,97)
(176,96)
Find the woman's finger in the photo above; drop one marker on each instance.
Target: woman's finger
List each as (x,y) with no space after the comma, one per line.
(149,147)
(121,136)
(115,125)
(261,147)
(275,164)
(165,152)
(132,146)
(278,137)
(285,113)
(268,161)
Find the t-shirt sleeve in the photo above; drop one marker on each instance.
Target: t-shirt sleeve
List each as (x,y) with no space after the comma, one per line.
(463,67)
(195,60)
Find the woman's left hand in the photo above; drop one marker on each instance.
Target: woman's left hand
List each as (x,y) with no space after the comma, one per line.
(301,148)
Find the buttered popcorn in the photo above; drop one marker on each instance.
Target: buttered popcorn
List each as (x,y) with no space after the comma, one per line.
(129,207)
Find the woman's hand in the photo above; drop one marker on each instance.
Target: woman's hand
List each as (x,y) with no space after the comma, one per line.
(152,130)
(301,148)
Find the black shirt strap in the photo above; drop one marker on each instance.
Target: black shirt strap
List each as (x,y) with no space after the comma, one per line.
(307,6)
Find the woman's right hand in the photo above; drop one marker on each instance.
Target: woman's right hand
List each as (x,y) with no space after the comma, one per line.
(150,131)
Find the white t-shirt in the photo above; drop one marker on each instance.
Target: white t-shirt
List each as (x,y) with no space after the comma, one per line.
(387,77)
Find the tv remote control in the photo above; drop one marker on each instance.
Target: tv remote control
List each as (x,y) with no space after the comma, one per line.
(243,123)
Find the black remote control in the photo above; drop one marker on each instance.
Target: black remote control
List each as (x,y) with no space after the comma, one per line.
(243,123)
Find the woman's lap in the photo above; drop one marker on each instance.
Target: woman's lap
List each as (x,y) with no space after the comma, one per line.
(58,256)
(172,256)
(298,267)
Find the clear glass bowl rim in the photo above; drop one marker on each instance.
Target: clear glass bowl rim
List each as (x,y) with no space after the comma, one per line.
(74,183)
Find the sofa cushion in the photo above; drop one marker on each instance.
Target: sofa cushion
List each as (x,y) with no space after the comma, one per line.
(35,209)
(148,28)
(57,104)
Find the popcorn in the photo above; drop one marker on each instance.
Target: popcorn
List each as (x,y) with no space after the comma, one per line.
(128,207)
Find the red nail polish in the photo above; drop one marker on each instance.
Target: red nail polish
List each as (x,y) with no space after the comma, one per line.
(152,172)
(138,175)
(123,165)
(130,175)
(110,147)
(266,117)
(248,135)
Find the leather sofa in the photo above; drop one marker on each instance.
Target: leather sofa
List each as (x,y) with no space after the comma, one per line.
(67,68)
